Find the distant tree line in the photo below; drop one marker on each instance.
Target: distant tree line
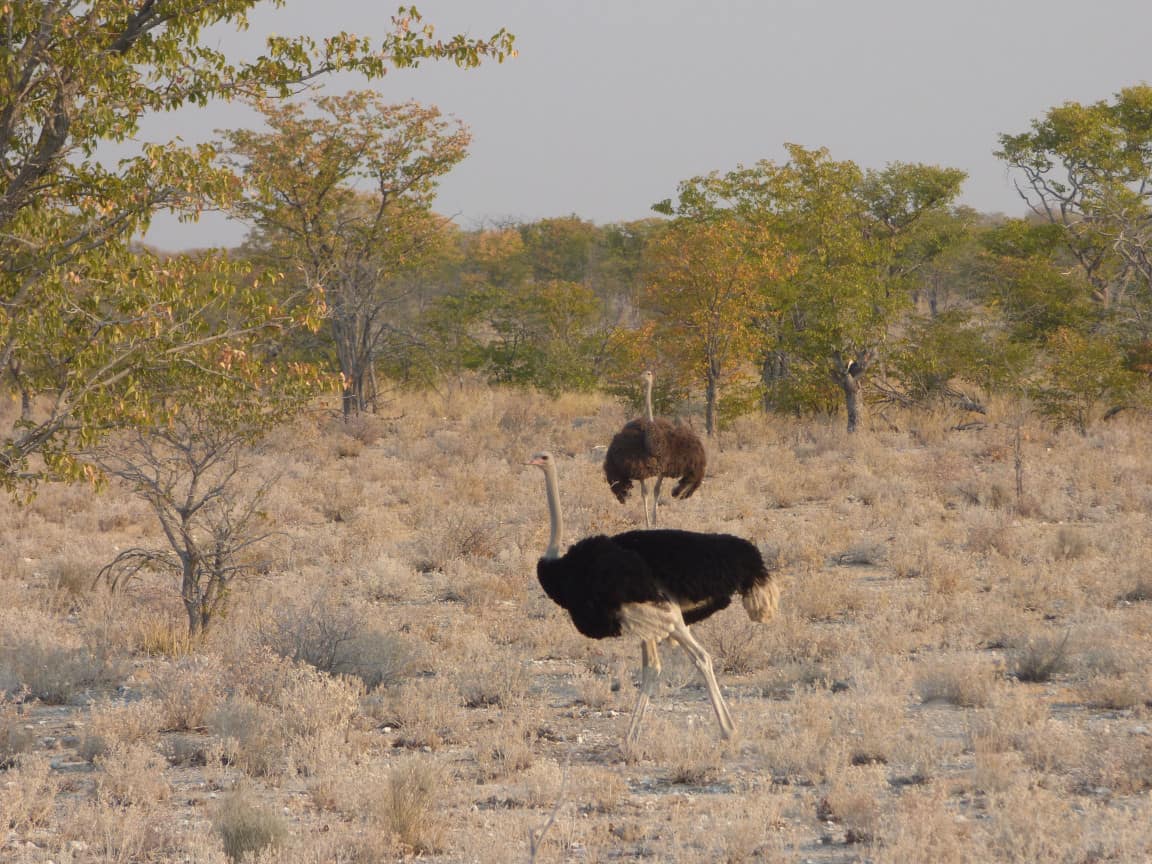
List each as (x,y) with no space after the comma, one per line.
(807,286)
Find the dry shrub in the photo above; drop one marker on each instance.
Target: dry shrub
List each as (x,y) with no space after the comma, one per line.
(987,538)
(948,572)
(337,499)
(751,832)
(1071,544)
(1027,825)
(72,576)
(407,806)
(27,794)
(692,753)
(923,825)
(505,748)
(1138,588)
(594,689)
(188,691)
(15,738)
(252,735)
(313,703)
(1122,764)
(337,639)
(869,723)
(864,553)
(825,595)
(738,646)
(313,757)
(1123,691)
(1114,674)
(1014,719)
(132,774)
(246,826)
(385,579)
(544,785)
(961,680)
(427,712)
(450,535)
(854,802)
(1037,658)
(114,723)
(49,665)
(192,750)
(498,679)
(113,834)
(160,635)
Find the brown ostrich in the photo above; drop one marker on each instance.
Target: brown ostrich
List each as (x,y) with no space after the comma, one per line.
(653,447)
(651,585)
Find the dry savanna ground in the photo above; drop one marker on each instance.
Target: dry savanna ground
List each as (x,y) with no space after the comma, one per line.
(960,671)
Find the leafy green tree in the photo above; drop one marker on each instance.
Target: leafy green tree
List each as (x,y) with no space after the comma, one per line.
(616,272)
(343,200)
(1088,170)
(545,335)
(1030,278)
(559,249)
(856,242)
(705,289)
(87,323)
(1081,375)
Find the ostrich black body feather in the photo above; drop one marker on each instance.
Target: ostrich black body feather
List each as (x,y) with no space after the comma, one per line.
(697,572)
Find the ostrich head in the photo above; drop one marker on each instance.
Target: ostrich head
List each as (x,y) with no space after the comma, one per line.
(541,460)
(646,377)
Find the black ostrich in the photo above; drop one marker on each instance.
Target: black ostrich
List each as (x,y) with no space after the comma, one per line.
(651,585)
(651,447)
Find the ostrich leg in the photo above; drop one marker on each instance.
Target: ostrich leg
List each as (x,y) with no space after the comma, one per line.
(703,663)
(649,679)
(656,498)
(644,498)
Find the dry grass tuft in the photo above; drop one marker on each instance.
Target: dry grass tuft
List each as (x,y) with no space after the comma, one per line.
(188,690)
(27,795)
(50,664)
(111,724)
(407,805)
(247,826)
(964,681)
(132,775)
(1039,658)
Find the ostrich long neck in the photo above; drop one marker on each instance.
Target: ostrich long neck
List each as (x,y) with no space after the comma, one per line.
(648,397)
(555,516)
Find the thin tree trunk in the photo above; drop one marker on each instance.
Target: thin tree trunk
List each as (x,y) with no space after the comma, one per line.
(851,387)
(711,401)
(848,375)
(190,593)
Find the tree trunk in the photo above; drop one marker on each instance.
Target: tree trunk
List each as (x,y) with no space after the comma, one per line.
(851,387)
(848,375)
(773,369)
(190,594)
(711,400)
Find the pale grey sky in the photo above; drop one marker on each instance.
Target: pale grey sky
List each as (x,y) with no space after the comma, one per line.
(611,103)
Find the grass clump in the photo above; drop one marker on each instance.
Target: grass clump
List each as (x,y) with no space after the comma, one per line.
(408,806)
(247,826)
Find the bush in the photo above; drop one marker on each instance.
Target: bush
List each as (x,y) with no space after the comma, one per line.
(247,826)
(338,641)
(51,669)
